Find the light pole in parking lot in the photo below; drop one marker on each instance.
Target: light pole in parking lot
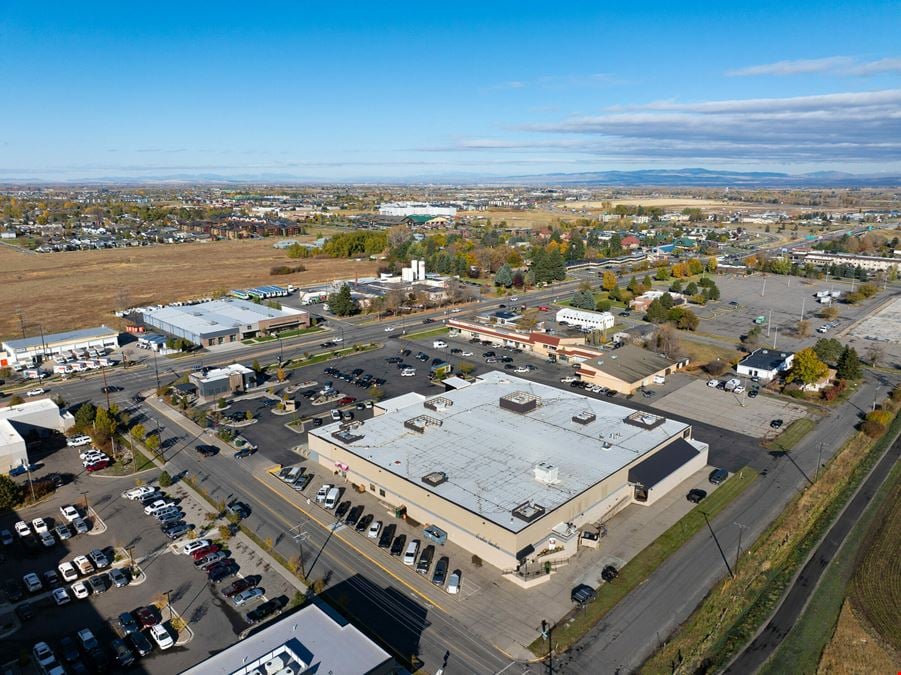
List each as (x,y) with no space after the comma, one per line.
(546,632)
(169,603)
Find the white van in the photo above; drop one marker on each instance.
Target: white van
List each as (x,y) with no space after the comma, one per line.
(439,344)
(410,554)
(331,499)
(659,379)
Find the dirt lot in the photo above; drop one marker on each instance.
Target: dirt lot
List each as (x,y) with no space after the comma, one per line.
(749,416)
(64,291)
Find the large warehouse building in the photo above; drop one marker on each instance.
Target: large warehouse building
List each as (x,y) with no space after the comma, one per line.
(510,468)
(27,423)
(223,321)
(27,351)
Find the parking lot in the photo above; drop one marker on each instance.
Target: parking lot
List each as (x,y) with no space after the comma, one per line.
(205,620)
(739,412)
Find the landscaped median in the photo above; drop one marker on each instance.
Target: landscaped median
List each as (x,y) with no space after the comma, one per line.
(575,625)
(308,360)
(793,434)
(737,607)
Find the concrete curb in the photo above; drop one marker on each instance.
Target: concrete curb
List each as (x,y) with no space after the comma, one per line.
(97,520)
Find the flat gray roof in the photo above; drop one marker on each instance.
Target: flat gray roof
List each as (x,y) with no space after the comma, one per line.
(56,338)
(217,315)
(316,639)
(488,453)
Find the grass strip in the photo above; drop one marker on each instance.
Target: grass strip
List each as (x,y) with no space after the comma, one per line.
(571,628)
(793,434)
(802,648)
(434,332)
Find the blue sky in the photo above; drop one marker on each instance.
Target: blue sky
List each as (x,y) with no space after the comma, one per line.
(382,90)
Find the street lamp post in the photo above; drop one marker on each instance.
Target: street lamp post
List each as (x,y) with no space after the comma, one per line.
(169,603)
(546,632)
(819,462)
(741,529)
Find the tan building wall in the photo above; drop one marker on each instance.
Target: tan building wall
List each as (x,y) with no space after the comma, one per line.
(491,542)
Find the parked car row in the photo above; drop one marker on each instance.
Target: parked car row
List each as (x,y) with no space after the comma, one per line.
(158,505)
(211,559)
(44,531)
(328,496)
(296,476)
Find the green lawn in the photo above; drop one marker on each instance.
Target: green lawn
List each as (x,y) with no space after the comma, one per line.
(434,332)
(793,434)
(574,626)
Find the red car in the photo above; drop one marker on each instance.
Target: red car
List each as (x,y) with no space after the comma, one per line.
(203,552)
(543,308)
(346,400)
(97,466)
(239,586)
(147,616)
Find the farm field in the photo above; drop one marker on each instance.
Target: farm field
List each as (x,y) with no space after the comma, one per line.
(64,291)
(853,649)
(665,202)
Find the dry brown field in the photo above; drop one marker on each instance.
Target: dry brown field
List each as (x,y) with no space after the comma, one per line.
(666,202)
(77,289)
(854,650)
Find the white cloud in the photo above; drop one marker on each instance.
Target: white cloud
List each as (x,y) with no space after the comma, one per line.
(833,65)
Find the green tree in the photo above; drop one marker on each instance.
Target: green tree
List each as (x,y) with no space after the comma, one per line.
(342,303)
(676,286)
(662,273)
(666,300)
(691,289)
(165,480)
(807,367)
(829,350)
(10,493)
(104,426)
(84,416)
(713,292)
(683,318)
(583,299)
(152,443)
(138,432)
(603,305)
(848,365)
(504,276)
(656,313)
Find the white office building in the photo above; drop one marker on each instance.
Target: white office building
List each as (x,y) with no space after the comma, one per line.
(584,318)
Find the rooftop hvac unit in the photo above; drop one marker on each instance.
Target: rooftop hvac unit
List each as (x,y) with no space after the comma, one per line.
(274,665)
(287,670)
(546,473)
(256,671)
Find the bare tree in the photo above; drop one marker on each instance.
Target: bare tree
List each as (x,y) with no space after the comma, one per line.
(874,354)
(803,328)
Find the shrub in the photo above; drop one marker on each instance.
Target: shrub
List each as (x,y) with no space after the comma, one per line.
(883,417)
(225,532)
(476,561)
(165,479)
(872,429)
(286,269)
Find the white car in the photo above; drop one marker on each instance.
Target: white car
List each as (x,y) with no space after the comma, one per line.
(374,529)
(453,583)
(195,545)
(43,654)
(80,590)
(22,528)
(568,379)
(138,492)
(520,369)
(323,493)
(69,512)
(40,526)
(35,392)
(67,571)
(92,455)
(713,383)
(739,389)
(78,441)
(84,565)
(388,329)
(408,372)
(161,636)
(335,415)
(338,339)
(456,310)
(32,582)
(466,354)
(61,596)
(156,506)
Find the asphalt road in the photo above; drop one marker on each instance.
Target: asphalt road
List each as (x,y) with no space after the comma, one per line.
(635,628)
(806,582)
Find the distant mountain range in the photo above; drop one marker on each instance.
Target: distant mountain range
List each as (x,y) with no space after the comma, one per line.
(692,177)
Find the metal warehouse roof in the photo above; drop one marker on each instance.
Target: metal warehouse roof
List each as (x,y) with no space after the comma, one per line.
(631,364)
(57,338)
(207,317)
(489,452)
(661,464)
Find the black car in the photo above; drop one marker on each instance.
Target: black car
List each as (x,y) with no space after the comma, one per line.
(68,649)
(582,594)
(428,320)
(239,509)
(25,612)
(717,476)
(387,535)
(393,359)
(302,481)
(422,356)
(364,523)
(354,515)
(267,609)
(695,495)
(128,624)
(246,452)
(398,546)
(219,573)
(13,590)
(207,450)
(440,574)
(110,389)
(456,350)
(124,656)
(609,573)
(100,660)
(343,508)
(140,643)
(317,421)
(753,393)
(405,352)
(99,582)
(776,424)
(425,559)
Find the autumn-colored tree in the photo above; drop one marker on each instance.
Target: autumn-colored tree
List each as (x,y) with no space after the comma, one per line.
(608,280)
(807,367)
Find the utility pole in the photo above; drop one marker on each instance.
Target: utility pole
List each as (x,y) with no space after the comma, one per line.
(30,482)
(803,300)
(819,462)
(741,528)
(775,335)
(169,603)
(156,372)
(768,323)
